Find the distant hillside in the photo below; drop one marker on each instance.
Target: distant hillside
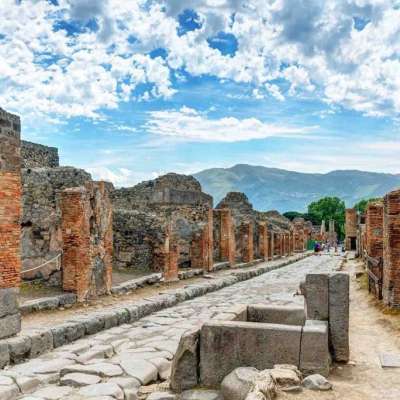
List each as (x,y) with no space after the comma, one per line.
(271,188)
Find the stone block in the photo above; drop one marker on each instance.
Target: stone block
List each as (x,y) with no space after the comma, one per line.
(8,301)
(67,333)
(227,345)
(19,348)
(314,355)
(10,325)
(4,354)
(286,315)
(41,342)
(184,370)
(317,296)
(339,298)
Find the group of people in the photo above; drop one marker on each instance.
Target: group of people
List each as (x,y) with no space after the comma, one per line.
(325,247)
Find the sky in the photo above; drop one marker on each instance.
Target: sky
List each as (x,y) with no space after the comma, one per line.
(131,89)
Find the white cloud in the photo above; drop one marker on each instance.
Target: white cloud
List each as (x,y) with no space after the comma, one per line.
(188,124)
(313,45)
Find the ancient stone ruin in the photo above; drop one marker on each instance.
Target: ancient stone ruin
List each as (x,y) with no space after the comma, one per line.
(375,238)
(262,336)
(10,227)
(70,232)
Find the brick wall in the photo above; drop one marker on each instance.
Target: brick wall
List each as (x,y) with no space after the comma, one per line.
(247,241)
(350,226)
(263,240)
(225,239)
(374,229)
(87,240)
(201,250)
(391,249)
(10,222)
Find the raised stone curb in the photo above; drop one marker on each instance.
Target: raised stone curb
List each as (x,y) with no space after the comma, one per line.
(29,345)
(48,303)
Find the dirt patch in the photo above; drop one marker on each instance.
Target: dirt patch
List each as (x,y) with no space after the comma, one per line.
(371,332)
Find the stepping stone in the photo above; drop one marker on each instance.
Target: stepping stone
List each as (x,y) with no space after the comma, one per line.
(142,370)
(200,395)
(27,384)
(101,369)
(78,379)
(53,392)
(389,360)
(126,382)
(161,396)
(163,367)
(9,392)
(102,389)
(6,380)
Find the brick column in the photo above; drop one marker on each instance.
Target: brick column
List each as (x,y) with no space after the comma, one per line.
(391,249)
(247,241)
(201,249)
(87,240)
(227,234)
(171,256)
(263,240)
(10,223)
(271,245)
(291,243)
(374,241)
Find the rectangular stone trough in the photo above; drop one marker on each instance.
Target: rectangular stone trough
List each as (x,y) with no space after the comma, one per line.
(253,336)
(261,336)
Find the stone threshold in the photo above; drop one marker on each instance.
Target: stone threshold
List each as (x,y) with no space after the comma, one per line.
(32,343)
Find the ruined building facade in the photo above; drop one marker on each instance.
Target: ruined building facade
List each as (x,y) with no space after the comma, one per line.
(61,228)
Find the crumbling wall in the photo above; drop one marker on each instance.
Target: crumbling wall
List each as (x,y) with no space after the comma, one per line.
(137,235)
(244,220)
(38,156)
(41,219)
(10,228)
(351,228)
(87,240)
(178,202)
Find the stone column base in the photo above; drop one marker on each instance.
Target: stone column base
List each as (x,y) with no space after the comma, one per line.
(10,317)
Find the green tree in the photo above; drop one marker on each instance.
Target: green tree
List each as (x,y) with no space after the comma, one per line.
(361,206)
(292,215)
(329,208)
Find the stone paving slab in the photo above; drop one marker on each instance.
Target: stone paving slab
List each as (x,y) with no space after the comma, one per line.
(163,326)
(34,343)
(389,360)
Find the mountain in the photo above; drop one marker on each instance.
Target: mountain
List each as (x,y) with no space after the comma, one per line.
(272,188)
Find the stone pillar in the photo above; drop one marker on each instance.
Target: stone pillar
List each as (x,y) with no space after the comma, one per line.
(391,249)
(227,237)
(87,240)
(351,229)
(10,223)
(271,245)
(291,243)
(202,246)
(171,268)
(247,241)
(263,240)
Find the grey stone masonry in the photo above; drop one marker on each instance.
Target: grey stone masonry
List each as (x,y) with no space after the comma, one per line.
(38,156)
(239,343)
(317,295)
(314,355)
(339,287)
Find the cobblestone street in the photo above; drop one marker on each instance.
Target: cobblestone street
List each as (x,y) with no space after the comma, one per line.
(116,362)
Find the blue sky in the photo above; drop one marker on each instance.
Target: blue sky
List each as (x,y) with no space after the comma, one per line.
(132,89)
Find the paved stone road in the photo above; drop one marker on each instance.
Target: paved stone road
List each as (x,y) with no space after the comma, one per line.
(113,364)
